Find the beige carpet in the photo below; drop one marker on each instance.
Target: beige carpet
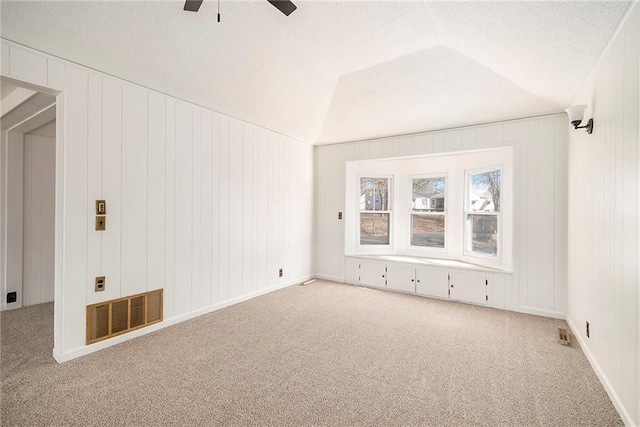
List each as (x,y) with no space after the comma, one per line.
(322,354)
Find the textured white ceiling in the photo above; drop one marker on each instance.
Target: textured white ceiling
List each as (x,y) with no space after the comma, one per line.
(336,71)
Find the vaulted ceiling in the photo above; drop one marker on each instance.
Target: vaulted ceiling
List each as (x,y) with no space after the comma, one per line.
(336,71)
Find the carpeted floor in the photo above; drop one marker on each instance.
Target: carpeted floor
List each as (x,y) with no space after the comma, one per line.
(322,354)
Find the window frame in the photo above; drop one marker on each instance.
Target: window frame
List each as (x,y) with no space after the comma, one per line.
(410,179)
(468,213)
(372,248)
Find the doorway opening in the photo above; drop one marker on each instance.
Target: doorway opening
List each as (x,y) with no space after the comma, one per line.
(27,226)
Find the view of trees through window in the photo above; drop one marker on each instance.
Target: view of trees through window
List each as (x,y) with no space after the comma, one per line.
(483,201)
(375,212)
(428,212)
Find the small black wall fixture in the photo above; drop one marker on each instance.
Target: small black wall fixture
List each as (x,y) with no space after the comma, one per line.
(576,115)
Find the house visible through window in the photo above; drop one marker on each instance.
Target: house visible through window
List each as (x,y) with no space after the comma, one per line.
(428,212)
(483,213)
(375,211)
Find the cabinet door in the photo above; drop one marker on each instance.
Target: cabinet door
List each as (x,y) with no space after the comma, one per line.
(401,277)
(468,286)
(372,273)
(352,271)
(432,282)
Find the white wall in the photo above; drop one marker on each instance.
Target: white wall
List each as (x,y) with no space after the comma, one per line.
(38,219)
(538,283)
(603,221)
(200,204)
(11,154)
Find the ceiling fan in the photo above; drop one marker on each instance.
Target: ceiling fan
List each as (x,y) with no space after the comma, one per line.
(284,6)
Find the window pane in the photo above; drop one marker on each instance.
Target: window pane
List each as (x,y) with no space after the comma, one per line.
(374,229)
(485,191)
(484,234)
(427,230)
(374,194)
(428,194)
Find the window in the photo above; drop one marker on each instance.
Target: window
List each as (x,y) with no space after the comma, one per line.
(375,211)
(428,211)
(483,213)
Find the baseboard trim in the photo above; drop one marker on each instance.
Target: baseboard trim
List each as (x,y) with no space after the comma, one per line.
(540,312)
(617,403)
(327,277)
(92,348)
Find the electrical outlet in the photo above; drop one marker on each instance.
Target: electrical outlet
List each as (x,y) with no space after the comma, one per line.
(339,215)
(100,283)
(280,273)
(12,297)
(101,223)
(588,329)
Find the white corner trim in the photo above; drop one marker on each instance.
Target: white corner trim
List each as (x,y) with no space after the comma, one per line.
(601,375)
(92,348)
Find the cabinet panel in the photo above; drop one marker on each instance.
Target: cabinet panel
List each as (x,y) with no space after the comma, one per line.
(352,271)
(468,286)
(432,282)
(372,273)
(401,277)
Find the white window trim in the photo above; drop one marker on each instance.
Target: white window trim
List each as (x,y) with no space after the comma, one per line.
(375,248)
(497,260)
(428,249)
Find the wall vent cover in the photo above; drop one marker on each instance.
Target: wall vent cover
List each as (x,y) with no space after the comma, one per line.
(110,318)
(563,336)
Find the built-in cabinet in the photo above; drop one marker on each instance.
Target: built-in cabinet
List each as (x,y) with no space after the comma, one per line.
(440,282)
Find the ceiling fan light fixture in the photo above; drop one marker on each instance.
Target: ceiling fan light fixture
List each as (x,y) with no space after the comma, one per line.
(284,6)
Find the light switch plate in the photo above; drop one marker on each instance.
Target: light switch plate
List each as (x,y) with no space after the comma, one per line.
(101,207)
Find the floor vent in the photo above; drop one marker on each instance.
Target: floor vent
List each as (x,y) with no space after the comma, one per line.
(563,336)
(110,318)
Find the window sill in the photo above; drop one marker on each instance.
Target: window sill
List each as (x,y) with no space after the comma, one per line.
(431,262)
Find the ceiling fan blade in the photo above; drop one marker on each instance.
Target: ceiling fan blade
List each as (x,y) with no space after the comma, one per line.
(192,5)
(284,6)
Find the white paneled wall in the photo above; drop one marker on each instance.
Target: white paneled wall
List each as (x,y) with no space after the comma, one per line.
(200,204)
(604,281)
(538,284)
(38,219)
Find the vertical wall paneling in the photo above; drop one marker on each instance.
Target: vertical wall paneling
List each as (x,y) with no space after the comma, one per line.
(14,222)
(4,62)
(247,208)
(206,126)
(223,218)
(183,208)
(48,219)
(537,283)
(27,65)
(134,190)
(533,214)
(235,208)
(197,203)
(215,209)
(170,211)
(94,183)
(112,186)
(545,177)
(196,225)
(55,73)
(603,240)
(75,208)
(38,219)
(263,208)
(255,144)
(156,179)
